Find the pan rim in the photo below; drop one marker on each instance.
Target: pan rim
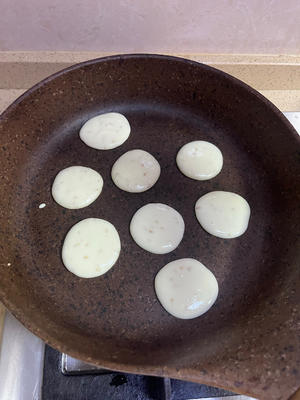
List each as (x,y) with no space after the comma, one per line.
(152,56)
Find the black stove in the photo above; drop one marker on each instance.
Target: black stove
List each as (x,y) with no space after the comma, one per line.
(66,378)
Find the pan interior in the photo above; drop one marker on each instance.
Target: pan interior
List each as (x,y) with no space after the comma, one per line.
(112,316)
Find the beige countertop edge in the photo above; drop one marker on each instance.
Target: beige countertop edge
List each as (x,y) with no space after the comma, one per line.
(20,70)
(78,56)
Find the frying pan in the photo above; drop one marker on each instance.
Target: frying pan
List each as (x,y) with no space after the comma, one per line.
(249,341)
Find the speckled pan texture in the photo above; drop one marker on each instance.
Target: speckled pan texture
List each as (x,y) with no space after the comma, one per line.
(249,341)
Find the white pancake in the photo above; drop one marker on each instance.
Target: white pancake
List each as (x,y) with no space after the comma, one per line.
(105,131)
(186,288)
(199,160)
(223,214)
(91,248)
(135,171)
(157,228)
(76,187)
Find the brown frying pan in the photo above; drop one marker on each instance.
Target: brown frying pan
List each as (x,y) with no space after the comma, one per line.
(249,341)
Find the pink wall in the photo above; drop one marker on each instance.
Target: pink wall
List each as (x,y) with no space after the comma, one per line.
(211,26)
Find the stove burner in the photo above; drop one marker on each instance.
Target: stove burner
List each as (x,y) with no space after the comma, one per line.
(118,380)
